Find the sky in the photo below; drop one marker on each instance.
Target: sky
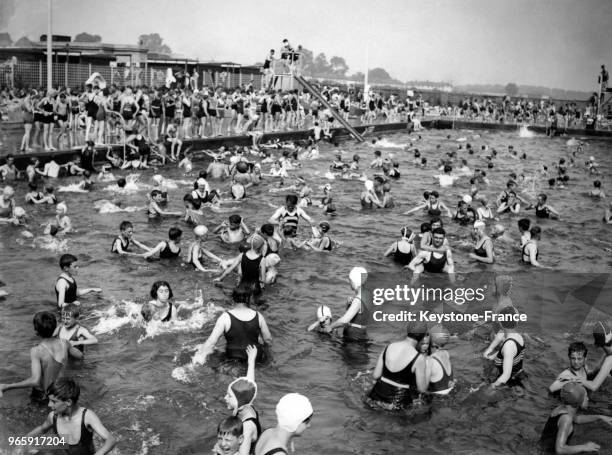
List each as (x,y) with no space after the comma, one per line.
(553,43)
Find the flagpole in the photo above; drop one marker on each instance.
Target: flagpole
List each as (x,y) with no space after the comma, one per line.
(49,50)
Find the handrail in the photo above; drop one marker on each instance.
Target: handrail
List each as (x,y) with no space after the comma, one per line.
(333,111)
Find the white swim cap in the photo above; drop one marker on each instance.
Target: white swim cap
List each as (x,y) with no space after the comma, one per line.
(479,224)
(272,259)
(18,212)
(369,185)
(592,158)
(323,312)
(157,178)
(62,206)
(467,199)
(358,276)
(499,228)
(201,182)
(292,410)
(200,230)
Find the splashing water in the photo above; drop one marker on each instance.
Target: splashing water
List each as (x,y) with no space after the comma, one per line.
(106,206)
(131,185)
(524,132)
(71,188)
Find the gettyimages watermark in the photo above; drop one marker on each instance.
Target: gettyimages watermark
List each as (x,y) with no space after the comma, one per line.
(545,301)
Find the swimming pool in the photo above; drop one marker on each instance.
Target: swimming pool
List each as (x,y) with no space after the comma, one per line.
(127,378)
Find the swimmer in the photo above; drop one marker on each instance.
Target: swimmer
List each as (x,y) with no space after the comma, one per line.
(48,359)
(73,422)
(324,319)
(193,211)
(287,217)
(271,261)
(71,331)
(542,209)
(162,307)
(560,424)
(465,214)
(86,184)
(169,249)
(507,351)
(320,240)
(484,212)
(234,230)
(229,437)
(252,268)
(439,369)
(577,371)
(34,196)
(524,225)
(357,313)
(121,244)
(293,414)
(512,204)
(602,338)
(529,251)
(154,211)
(483,249)
(368,196)
(7,202)
(197,249)
(401,371)
(607,218)
(66,290)
(446,179)
(404,249)
(433,261)
(426,243)
(387,202)
(62,221)
(377,162)
(432,204)
(186,165)
(337,163)
(597,191)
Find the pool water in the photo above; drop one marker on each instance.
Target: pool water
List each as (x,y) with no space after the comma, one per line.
(127,378)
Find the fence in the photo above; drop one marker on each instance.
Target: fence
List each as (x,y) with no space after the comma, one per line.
(34,74)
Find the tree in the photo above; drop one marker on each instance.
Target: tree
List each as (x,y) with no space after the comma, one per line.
(338,66)
(379,75)
(154,43)
(87,38)
(358,76)
(307,58)
(511,89)
(320,65)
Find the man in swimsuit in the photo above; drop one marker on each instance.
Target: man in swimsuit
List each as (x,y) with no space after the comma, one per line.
(68,419)
(432,261)
(65,286)
(48,358)
(529,251)
(293,414)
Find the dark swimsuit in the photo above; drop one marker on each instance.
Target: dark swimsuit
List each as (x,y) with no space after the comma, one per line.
(400,257)
(250,273)
(395,395)
(548,439)
(70,294)
(167,253)
(435,265)
(356,330)
(542,212)
(124,246)
(240,335)
(252,416)
(85,446)
(525,254)
(517,362)
(444,383)
(482,251)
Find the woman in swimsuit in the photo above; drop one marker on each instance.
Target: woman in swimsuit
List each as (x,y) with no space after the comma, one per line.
(483,250)
(72,422)
(403,250)
(162,308)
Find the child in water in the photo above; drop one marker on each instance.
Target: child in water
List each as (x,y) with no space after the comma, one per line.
(71,331)
(324,319)
(234,232)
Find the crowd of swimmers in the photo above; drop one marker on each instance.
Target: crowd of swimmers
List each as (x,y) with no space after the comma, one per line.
(408,372)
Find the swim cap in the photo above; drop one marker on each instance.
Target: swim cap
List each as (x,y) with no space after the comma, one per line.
(439,335)
(600,333)
(257,242)
(18,212)
(200,231)
(201,182)
(243,390)
(358,276)
(355,157)
(499,228)
(479,224)
(324,225)
(592,158)
(327,187)
(157,178)
(242,167)
(292,410)
(369,185)
(323,312)
(272,259)
(62,206)
(416,330)
(467,199)
(573,394)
